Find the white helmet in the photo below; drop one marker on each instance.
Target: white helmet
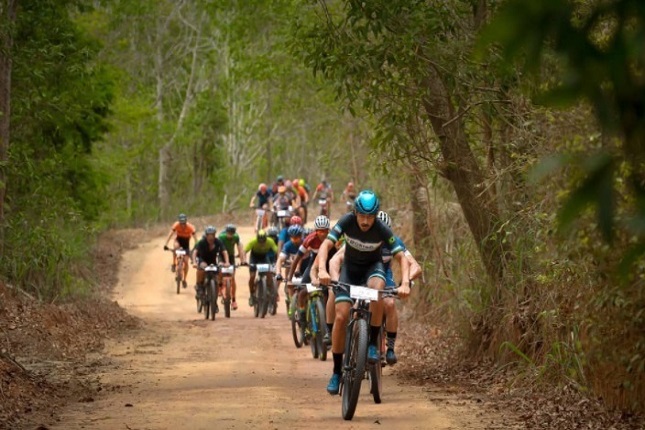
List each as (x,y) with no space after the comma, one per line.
(385,218)
(321,223)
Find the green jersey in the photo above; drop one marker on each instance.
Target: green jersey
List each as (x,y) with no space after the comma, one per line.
(258,248)
(229,244)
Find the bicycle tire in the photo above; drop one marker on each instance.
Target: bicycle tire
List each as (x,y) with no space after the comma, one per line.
(313,340)
(227,298)
(213,299)
(178,270)
(207,300)
(322,329)
(264,304)
(256,306)
(354,374)
(296,332)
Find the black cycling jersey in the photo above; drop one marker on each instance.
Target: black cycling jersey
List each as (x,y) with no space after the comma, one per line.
(208,255)
(363,247)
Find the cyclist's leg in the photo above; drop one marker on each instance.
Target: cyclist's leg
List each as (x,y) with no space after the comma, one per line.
(253,259)
(200,276)
(376,280)
(391,318)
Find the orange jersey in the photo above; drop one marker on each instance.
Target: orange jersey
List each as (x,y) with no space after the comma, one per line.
(183,230)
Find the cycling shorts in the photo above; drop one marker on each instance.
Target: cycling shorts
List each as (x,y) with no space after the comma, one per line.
(184,243)
(358,275)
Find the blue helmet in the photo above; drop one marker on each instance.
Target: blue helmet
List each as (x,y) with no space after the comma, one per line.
(295,230)
(367,203)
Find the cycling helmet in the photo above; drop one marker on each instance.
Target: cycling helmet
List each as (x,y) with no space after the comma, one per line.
(350,185)
(182,218)
(280,178)
(263,188)
(385,218)
(210,230)
(288,184)
(367,203)
(295,230)
(302,182)
(295,220)
(321,223)
(230,228)
(296,182)
(273,231)
(262,236)
(282,189)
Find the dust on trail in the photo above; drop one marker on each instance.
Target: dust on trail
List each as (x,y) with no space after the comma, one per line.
(182,372)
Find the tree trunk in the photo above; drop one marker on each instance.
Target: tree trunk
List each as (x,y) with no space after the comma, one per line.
(7,20)
(462,170)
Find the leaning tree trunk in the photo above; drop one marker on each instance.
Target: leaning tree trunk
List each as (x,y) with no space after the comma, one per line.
(7,20)
(462,170)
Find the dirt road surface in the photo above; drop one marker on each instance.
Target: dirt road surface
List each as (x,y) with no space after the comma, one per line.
(182,372)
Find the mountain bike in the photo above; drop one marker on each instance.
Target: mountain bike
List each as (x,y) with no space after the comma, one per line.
(281,217)
(207,300)
(322,203)
(265,294)
(316,325)
(297,326)
(225,288)
(355,365)
(180,253)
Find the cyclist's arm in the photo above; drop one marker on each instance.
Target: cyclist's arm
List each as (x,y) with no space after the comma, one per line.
(252,204)
(169,236)
(415,267)
(336,262)
(240,251)
(226,257)
(295,262)
(404,289)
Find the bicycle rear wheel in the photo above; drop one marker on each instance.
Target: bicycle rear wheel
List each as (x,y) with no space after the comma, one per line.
(354,371)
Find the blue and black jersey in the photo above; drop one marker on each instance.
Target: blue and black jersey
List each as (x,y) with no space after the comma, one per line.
(364,247)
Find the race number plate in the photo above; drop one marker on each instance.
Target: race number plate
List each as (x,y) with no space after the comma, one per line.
(228,270)
(180,251)
(259,212)
(283,214)
(322,202)
(263,268)
(312,288)
(363,293)
(211,268)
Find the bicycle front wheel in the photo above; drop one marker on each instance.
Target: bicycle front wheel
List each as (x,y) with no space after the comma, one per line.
(264,299)
(354,372)
(321,324)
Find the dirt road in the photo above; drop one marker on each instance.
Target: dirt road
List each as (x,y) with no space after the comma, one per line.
(182,372)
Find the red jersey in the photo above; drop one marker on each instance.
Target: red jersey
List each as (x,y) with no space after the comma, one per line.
(311,242)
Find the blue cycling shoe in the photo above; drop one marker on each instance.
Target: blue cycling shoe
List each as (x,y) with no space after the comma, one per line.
(372,354)
(334,384)
(390,357)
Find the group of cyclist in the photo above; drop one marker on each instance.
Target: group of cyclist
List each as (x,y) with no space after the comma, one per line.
(358,250)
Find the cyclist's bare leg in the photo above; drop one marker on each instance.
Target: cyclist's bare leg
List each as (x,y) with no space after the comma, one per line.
(376,308)
(391,316)
(302,299)
(340,327)
(330,308)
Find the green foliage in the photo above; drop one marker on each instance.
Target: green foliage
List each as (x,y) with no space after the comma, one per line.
(60,98)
